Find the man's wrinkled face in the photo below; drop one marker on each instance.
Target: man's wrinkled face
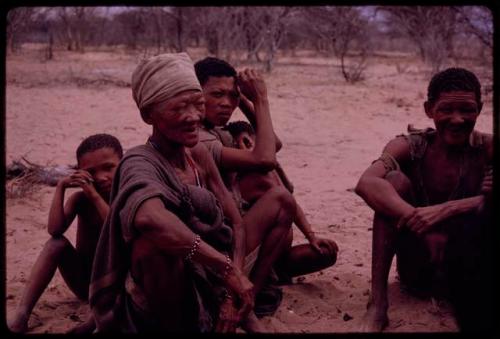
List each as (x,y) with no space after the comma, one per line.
(221,99)
(178,118)
(454,114)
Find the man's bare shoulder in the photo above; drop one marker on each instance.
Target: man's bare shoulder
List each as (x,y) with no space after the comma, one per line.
(399,148)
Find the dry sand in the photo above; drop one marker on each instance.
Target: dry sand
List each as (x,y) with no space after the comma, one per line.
(331,132)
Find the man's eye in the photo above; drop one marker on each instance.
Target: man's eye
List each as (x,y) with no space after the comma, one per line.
(217,95)
(468,110)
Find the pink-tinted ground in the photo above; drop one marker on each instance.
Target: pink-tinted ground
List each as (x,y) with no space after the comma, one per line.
(331,132)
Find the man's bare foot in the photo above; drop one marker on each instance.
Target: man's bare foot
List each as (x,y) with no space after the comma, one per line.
(18,324)
(252,324)
(374,320)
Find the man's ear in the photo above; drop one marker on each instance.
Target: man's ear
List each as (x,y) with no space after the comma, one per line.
(428,109)
(146,115)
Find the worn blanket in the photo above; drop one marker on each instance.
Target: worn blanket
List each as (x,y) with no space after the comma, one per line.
(143,174)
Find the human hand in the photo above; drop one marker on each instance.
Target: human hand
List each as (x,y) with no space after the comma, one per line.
(323,246)
(242,288)
(228,317)
(252,85)
(422,219)
(82,179)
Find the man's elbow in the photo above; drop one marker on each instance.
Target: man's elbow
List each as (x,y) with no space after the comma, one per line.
(267,164)
(360,187)
(279,145)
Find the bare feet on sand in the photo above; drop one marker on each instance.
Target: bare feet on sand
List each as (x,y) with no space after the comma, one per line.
(252,324)
(375,319)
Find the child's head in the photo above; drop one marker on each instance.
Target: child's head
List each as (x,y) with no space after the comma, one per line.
(243,134)
(99,155)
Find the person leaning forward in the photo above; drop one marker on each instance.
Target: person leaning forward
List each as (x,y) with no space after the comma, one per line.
(163,262)
(429,191)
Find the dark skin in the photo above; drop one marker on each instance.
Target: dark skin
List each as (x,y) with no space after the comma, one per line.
(267,223)
(296,260)
(454,115)
(90,207)
(164,240)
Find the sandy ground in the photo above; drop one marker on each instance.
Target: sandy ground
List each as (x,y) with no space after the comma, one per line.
(331,132)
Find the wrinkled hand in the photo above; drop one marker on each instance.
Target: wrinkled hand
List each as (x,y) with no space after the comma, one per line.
(242,288)
(487,184)
(252,85)
(328,246)
(422,219)
(228,317)
(82,179)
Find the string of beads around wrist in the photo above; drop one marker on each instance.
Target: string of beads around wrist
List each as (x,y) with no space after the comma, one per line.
(194,248)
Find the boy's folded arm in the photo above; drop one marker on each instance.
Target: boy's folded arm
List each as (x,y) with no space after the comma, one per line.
(62,215)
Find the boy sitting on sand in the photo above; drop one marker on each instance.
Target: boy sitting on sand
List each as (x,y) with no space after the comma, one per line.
(98,157)
(297,260)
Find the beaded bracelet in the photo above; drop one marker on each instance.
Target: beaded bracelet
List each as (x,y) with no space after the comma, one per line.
(194,248)
(227,268)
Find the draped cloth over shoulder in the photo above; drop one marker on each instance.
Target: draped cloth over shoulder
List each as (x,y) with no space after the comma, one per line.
(161,77)
(143,174)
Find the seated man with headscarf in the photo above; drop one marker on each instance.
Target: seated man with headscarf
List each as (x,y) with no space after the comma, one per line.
(167,259)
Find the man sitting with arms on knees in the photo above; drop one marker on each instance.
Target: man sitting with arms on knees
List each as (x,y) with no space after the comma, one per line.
(425,190)
(224,90)
(297,260)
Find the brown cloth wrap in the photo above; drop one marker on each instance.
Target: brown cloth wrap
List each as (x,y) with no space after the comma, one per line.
(143,174)
(161,77)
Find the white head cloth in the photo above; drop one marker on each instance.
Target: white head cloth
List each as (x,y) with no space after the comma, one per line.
(161,77)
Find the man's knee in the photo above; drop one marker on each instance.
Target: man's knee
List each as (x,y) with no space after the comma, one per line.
(401,183)
(57,245)
(330,252)
(285,199)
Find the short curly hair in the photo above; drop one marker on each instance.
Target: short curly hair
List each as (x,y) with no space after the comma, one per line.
(98,141)
(213,67)
(238,127)
(453,79)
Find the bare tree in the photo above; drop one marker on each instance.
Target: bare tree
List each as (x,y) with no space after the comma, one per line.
(17,21)
(343,29)
(431,28)
(76,26)
(477,21)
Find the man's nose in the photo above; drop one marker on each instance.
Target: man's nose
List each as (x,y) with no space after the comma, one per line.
(225,101)
(457,118)
(194,114)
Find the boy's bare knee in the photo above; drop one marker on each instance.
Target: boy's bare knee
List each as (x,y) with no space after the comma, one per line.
(56,245)
(400,182)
